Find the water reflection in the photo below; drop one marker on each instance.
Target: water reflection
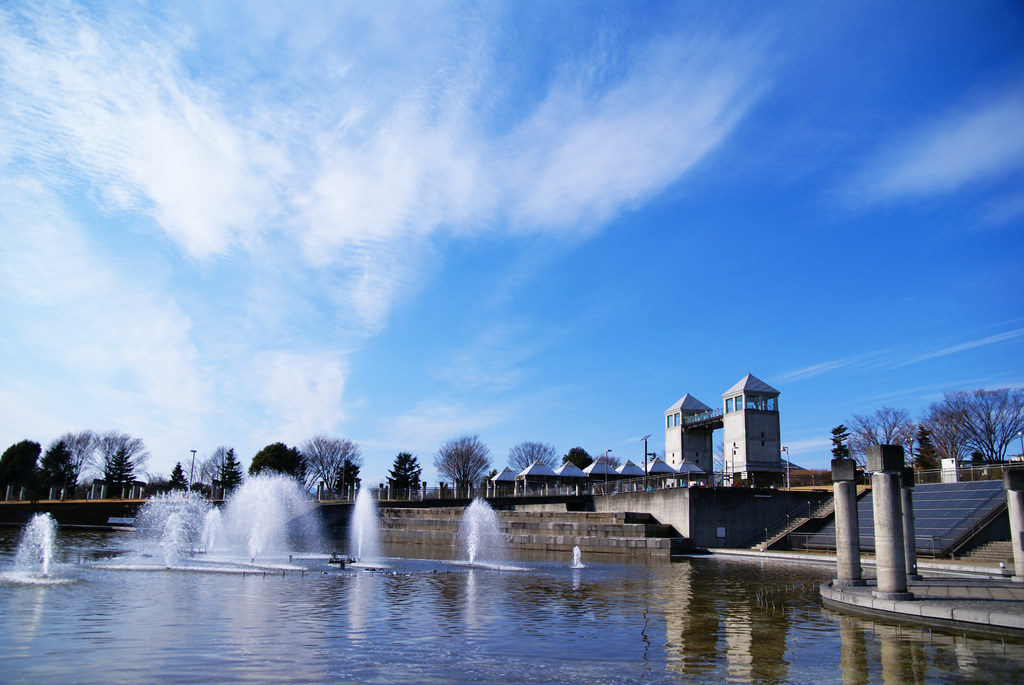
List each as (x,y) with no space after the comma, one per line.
(703,620)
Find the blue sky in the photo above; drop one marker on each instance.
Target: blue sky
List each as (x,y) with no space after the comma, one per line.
(241,223)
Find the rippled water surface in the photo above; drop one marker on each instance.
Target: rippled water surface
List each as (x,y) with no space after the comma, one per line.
(100,617)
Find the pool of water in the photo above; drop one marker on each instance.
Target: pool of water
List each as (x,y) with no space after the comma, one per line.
(106,616)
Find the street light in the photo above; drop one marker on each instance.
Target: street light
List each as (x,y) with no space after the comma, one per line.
(191,471)
(606,471)
(645,461)
(786,450)
(1020,434)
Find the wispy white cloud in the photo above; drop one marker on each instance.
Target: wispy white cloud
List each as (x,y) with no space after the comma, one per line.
(101,328)
(303,392)
(977,142)
(101,100)
(896,357)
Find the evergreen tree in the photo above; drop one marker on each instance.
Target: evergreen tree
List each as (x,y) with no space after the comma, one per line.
(230,472)
(118,472)
(57,466)
(579,457)
(927,455)
(347,475)
(405,473)
(178,480)
(18,465)
(840,442)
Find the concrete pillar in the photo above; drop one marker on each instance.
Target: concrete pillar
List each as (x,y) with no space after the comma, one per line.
(1013,481)
(909,540)
(848,568)
(886,465)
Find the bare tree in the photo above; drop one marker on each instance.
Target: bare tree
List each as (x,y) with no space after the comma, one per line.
(326,458)
(82,446)
(120,456)
(990,419)
(211,467)
(944,423)
(526,453)
(887,426)
(463,460)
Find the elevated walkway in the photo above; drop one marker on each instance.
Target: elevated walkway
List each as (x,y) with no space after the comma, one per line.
(946,517)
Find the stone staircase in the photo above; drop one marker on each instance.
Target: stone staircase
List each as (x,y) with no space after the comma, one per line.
(992,552)
(624,534)
(820,513)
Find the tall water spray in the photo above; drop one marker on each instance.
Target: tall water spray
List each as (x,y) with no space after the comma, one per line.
(36,547)
(271,514)
(480,534)
(174,521)
(364,530)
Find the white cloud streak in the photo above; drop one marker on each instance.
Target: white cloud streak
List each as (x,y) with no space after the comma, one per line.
(978,142)
(897,357)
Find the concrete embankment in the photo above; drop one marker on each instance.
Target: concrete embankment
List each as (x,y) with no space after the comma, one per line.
(72,513)
(621,534)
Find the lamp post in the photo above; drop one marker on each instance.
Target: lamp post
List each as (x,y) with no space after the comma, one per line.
(1020,434)
(606,471)
(645,461)
(786,450)
(191,471)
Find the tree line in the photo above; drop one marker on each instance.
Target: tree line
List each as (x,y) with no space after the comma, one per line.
(980,426)
(321,461)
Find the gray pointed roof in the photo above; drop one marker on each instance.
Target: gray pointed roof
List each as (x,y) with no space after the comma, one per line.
(751,383)
(688,403)
(505,475)
(658,466)
(629,469)
(570,470)
(537,470)
(688,467)
(598,467)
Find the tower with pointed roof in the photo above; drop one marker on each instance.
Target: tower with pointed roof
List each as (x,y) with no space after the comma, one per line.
(753,447)
(688,437)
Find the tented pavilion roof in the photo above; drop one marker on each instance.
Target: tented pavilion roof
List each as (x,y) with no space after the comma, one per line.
(630,470)
(569,470)
(690,468)
(658,467)
(599,467)
(506,475)
(537,470)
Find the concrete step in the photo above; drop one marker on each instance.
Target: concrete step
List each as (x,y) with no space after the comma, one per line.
(995,552)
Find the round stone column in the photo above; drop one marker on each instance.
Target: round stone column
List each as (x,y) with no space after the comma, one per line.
(848,567)
(909,540)
(1013,481)
(886,464)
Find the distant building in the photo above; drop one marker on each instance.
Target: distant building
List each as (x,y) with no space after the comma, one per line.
(749,415)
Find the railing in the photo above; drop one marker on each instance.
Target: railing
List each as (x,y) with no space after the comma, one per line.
(802,513)
(926,545)
(965,474)
(705,416)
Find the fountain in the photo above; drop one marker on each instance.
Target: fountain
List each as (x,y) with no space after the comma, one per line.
(480,535)
(267,517)
(577,558)
(36,547)
(364,530)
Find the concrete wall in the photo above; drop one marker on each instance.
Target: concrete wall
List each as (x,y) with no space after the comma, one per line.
(701,514)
